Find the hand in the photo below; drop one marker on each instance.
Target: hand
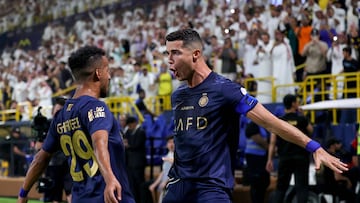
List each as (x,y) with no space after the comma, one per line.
(322,157)
(112,192)
(152,187)
(126,143)
(269,166)
(162,185)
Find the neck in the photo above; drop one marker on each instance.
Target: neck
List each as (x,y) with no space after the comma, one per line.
(201,72)
(85,89)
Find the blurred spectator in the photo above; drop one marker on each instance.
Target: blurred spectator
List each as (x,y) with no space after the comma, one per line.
(315,52)
(355,42)
(20,91)
(228,55)
(135,155)
(117,82)
(292,31)
(352,15)
(274,20)
(304,37)
(350,65)
(336,183)
(20,147)
(251,84)
(141,105)
(250,61)
(157,186)
(292,159)
(44,99)
(215,50)
(164,80)
(122,122)
(134,84)
(65,77)
(263,55)
(282,65)
(335,56)
(147,82)
(257,142)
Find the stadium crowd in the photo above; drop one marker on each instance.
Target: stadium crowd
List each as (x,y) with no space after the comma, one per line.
(254,39)
(242,39)
(32,12)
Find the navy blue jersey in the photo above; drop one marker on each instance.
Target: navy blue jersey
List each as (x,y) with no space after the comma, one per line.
(206,120)
(71,131)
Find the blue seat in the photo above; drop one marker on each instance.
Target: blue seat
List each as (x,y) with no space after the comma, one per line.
(148,124)
(157,133)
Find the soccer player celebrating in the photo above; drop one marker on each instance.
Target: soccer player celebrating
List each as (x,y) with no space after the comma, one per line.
(88,134)
(206,117)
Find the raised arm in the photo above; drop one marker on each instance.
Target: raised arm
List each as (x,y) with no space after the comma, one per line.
(260,115)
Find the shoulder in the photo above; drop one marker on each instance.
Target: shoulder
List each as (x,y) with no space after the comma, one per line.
(87,105)
(87,101)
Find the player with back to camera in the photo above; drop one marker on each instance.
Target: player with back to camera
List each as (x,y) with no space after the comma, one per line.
(88,134)
(206,117)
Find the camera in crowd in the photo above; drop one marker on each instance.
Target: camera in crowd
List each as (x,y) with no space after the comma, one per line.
(40,126)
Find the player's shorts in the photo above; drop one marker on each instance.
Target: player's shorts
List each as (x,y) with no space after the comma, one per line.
(195,191)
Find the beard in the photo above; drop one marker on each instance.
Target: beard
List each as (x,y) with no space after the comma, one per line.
(103,94)
(104,91)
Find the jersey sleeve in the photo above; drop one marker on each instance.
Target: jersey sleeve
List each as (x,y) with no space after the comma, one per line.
(239,98)
(97,117)
(51,142)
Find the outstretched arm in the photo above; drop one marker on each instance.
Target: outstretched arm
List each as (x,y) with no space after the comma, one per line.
(37,167)
(260,115)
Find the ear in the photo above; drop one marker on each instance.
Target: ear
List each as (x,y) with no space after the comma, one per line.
(196,54)
(97,74)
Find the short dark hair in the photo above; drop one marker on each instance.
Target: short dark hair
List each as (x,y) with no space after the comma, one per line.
(347,49)
(315,32)
(188,36)
(169,137)
(60,100)
(331,141)
(81,61)
(288,100)
(131,119)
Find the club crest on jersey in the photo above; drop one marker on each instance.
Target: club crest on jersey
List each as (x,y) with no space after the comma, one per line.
(204,100)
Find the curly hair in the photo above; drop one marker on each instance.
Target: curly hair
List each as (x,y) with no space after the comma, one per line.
(83,61)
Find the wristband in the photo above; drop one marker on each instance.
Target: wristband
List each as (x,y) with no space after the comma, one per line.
(312,146)
(23,193)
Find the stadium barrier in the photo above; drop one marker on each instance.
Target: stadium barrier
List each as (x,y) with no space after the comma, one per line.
(318,88)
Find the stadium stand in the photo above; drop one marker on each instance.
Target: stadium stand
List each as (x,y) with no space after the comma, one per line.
(37,37)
